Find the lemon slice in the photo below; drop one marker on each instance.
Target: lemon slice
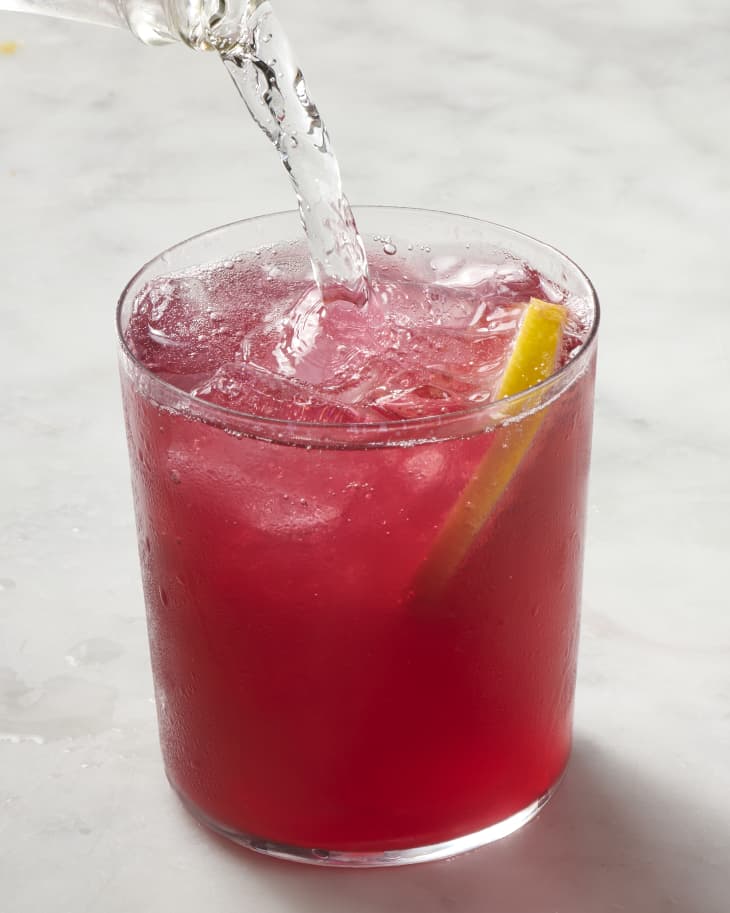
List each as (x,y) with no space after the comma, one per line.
(533,359)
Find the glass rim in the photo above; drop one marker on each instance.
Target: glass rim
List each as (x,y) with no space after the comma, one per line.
(502,409)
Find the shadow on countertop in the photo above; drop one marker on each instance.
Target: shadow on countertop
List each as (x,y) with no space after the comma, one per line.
(608,842)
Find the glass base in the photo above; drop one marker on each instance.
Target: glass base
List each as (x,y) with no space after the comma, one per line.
(344,859)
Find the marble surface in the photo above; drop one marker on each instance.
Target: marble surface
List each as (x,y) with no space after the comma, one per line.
(602,128)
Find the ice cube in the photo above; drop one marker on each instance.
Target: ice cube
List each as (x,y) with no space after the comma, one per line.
(425,467)
(328,346)
(256,391)
(420,392)
(178,329)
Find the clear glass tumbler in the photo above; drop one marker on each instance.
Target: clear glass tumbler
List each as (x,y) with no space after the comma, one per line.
(335,684)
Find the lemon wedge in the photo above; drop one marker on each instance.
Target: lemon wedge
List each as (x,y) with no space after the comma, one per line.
(535,351)
(532,360)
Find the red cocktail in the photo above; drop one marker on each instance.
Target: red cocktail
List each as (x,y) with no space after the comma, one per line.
(329,687)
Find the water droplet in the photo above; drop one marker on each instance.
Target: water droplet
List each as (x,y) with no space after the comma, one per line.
(389,248)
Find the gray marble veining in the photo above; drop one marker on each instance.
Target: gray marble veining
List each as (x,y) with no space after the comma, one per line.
(602,128)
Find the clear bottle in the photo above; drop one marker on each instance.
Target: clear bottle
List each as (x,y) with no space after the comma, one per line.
(201,24)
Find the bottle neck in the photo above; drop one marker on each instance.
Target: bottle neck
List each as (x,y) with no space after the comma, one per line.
(201,24)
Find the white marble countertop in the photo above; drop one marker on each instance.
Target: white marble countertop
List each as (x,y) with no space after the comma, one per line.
(602,128)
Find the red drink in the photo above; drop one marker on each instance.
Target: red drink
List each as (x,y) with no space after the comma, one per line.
(313,692)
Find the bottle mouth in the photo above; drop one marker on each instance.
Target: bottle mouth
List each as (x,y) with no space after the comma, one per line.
(203,25)
(215,25)
(232,240)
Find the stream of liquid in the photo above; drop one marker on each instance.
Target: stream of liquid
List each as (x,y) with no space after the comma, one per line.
(271,84)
